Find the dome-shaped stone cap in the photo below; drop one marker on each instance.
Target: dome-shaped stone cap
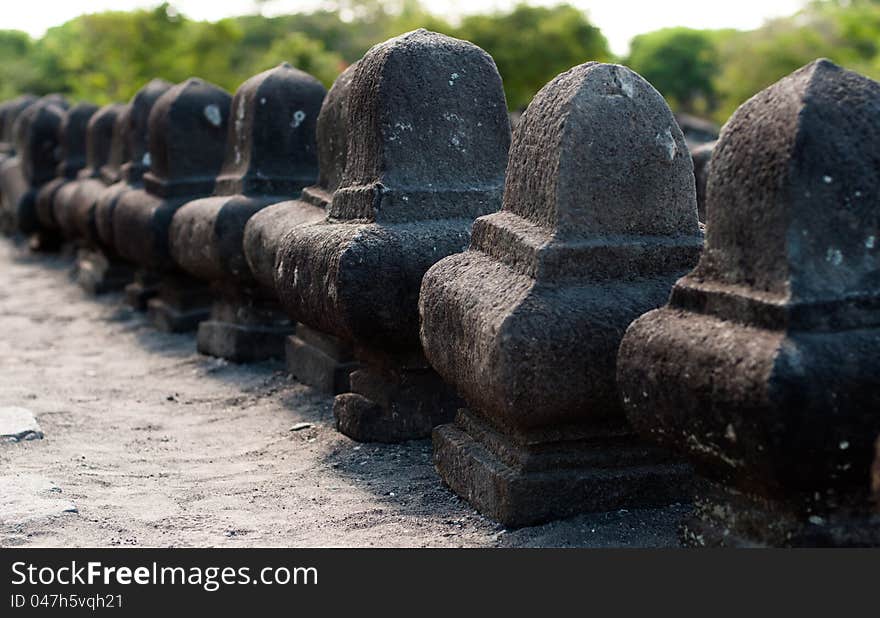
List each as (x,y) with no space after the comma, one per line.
(9,111)
(138,130)
(598,154)
(271,146)
(37,132)
(793,190)
(187,138)
(428,132)
(332,138)
(72,137)
(99,136)
(119,146)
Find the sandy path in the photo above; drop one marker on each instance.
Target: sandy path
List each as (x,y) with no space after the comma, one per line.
(156,445)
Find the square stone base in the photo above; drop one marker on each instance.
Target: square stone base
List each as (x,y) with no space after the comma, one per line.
(394,405)
(724,517)
(181,303)
(319,360)
(144,287)
(98,274)
(519,485)
(45,241)
(245,326)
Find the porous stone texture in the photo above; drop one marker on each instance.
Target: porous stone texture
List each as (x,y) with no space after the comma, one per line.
(317,359)
(599,220)
(762,368)
(427,145)
(17,424)
(187,137)
(75,214)
(702,155)
(36,156)
(135,160)
(54,196)
(270,155)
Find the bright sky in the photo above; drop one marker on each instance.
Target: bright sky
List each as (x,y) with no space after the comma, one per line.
(619,20)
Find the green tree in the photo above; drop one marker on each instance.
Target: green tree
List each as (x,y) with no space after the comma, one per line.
(682,64)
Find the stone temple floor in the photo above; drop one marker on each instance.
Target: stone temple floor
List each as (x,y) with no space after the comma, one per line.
(148,443)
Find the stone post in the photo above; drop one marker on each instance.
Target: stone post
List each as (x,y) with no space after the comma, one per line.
(187,139)
(36,158)
(763,368)
(427,145)
(103,269)
(270,155)
(599,220)
(314,358)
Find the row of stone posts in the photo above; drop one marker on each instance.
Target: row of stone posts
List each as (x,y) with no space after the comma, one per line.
(510,294)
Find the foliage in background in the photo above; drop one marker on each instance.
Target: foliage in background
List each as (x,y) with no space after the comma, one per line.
(108,56)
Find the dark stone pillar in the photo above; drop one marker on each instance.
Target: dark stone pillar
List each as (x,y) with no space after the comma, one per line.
(36,158)
(9,112)
(702,155)
(72,140)
(427,145)
(270,155)
(314,358)
(187,138)
(599,220)
(763,368)
(103,269)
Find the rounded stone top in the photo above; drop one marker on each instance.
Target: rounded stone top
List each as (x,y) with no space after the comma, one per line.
(793,189)
(187,138)
(9,111)
(137,133)
(72,137)
(99,136)
(37,131)
(598,153)
(271,146)
(332,138)
(119,151)
(428,132)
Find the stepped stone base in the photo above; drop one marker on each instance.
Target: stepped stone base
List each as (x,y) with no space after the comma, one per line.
(319,360)
(520,484)
(394,405)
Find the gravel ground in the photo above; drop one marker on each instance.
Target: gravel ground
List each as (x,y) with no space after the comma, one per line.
(148,443)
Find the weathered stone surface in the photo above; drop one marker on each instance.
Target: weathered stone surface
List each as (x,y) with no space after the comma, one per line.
(270,155)
(9,112)
(187,137)
(17,424)
(72,139)
(599,220)
(135,160)
(76,214)
(317,359)
(37,155)
(701,156)
(427,146)
(763,366)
